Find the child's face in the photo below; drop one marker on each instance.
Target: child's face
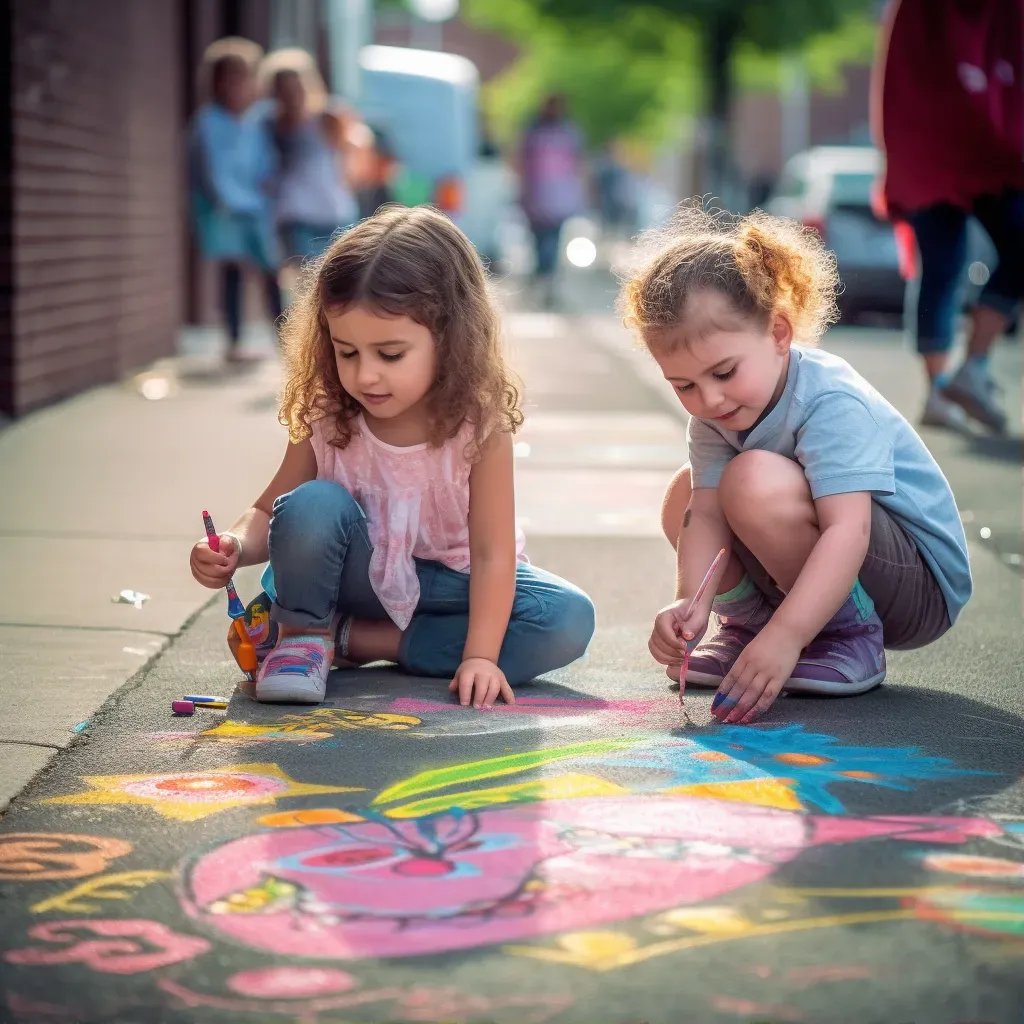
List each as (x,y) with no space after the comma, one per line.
(290,94)
(236,88)
(386,363)
(722,369)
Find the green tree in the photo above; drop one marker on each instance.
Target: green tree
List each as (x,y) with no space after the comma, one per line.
(722,27)
(623,78)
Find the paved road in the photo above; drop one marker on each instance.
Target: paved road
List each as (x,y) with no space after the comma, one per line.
(591,855)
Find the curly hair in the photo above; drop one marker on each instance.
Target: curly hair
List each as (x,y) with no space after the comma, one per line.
(762,264)
(402,262)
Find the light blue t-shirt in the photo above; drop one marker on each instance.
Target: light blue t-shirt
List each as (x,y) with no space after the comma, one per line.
(847,438)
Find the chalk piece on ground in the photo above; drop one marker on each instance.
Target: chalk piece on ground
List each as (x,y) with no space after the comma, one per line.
(198,699)
(209,705)
(183,707)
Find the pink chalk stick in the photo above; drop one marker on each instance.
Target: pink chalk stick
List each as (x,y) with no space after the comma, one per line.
(183,707)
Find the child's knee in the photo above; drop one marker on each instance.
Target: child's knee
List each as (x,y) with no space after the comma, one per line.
(571,621)
(757,480)
(677,497)
(309,518)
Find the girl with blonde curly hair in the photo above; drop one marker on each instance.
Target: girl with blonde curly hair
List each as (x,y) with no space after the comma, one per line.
(844,536)
(390,525)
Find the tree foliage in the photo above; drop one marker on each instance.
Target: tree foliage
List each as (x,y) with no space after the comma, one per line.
(625,78)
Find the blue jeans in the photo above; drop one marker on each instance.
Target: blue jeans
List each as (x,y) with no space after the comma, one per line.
(941,233)
(545,243)
(319,566)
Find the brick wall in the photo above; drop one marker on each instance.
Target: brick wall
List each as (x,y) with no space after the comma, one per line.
(95,190)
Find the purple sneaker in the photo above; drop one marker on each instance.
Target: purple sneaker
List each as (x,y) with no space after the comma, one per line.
(847,656)
(739,621)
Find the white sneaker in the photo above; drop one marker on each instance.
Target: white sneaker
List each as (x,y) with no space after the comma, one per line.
(974,390)
(295,671)
(938,412)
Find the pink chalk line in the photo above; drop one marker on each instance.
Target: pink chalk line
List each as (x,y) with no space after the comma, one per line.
(535,705)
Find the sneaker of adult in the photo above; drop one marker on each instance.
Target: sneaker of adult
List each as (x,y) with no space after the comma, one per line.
(740,619)
(940,412)
(974,390)
(295,671)
(847,656)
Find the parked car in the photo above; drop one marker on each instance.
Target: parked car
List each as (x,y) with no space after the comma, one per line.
(427,105)
(829,188)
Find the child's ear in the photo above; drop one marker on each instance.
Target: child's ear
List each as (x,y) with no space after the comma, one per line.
(782,333)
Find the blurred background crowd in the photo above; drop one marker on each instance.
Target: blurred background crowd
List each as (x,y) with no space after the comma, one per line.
(175,161)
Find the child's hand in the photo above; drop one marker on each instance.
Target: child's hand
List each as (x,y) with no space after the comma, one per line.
(482,682)
(214,568)
(674,626)
(757,677)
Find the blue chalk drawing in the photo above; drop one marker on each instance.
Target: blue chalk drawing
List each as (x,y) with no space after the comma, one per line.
(812,762)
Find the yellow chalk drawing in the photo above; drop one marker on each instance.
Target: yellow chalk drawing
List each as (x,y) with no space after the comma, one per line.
(764,792)
(347,718)
(117,886)
(313,816)
(723,921)
(233,732)
(638,954)
(596,946)
(321,724)
(562,787)
(188,796)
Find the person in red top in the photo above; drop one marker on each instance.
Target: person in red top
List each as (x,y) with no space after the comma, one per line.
(948,111)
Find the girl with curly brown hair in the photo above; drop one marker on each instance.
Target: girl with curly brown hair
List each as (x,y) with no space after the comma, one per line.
(843,532)
(390,525)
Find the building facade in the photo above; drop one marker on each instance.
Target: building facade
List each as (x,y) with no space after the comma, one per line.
(97,272)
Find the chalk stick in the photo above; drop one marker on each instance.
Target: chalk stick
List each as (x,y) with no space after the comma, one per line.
(205,705)
(201,699)
(183,707)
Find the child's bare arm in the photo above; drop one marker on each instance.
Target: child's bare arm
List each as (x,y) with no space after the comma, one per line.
(492,546)
(253,527)
(251,530)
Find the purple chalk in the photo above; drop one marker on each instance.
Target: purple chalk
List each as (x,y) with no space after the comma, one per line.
(183,707)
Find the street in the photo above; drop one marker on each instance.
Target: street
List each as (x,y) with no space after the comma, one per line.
(595,853)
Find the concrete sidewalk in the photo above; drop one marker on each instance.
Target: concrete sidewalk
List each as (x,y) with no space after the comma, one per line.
(103,493)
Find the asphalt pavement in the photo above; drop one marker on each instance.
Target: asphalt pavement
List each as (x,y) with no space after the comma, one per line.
(594,854)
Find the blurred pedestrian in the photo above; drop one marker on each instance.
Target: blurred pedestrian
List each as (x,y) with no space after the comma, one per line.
(376,187)
(397,476)
(231,173)
(315,144)
(551,182)
(949,113)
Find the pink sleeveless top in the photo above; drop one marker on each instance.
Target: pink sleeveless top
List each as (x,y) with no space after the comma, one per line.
(416,501)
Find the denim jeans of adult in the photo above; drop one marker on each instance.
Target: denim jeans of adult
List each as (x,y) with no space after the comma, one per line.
(545,243)
(941,233)
(319,567)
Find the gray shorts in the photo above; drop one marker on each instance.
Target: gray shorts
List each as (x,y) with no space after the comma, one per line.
(907,596)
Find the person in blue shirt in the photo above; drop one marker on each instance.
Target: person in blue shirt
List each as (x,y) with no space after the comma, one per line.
(844,536)
(232,169)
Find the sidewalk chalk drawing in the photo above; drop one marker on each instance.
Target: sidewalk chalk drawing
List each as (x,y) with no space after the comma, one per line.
(431,866)
(324,724)
(279,990)
(627,712)
(48,856)
(188,796)
(594,855)
(110,947)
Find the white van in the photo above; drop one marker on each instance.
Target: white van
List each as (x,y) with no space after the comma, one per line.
(427,105)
